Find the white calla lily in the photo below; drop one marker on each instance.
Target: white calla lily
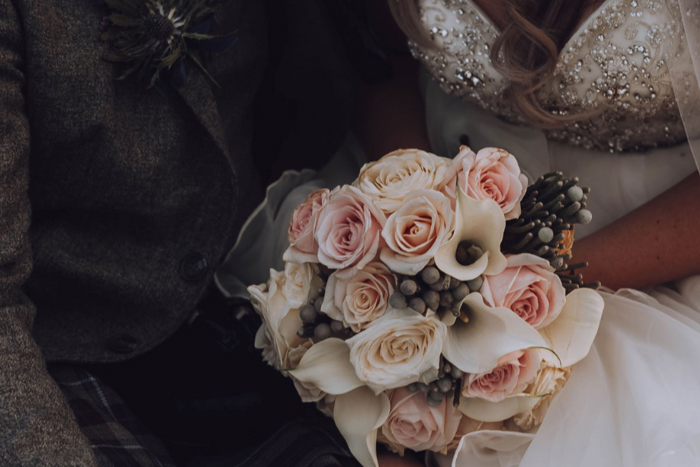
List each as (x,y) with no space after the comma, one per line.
(358,415)
(487,411)
(482,223)
(571,335)
(327,366)
(490,333)
(489,448)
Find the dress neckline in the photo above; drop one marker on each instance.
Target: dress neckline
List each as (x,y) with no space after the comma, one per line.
(581,28)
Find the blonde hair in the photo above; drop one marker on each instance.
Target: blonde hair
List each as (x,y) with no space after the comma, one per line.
(526,52)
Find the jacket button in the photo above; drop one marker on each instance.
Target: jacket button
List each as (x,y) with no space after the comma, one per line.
(193,267)
(123,343)
(464,140)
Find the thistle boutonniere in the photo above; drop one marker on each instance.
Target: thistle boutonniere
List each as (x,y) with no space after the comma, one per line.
(155,37)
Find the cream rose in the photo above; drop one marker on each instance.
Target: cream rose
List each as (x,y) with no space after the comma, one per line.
(401,348)
(361,299)
(491,173)
(413,424)
(348,230)
(301,283)
(549,380)
(390,179)
(416,230)
(512,375)
(302,245)
(277,337)
(529,287)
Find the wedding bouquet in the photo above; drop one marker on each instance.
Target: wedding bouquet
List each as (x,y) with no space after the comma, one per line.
(429,305)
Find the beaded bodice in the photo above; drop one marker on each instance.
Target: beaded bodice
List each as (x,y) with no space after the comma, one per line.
(613,72)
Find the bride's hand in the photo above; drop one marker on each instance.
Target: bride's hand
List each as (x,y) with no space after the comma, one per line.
(394,460)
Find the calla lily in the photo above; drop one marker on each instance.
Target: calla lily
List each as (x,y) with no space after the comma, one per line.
(480,222)
(327,366)
(492,448)
(490,333)
(486,411)
(358,415)
(571,335)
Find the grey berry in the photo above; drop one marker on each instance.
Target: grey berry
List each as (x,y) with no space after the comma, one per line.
(308,314)
(337,326)
(417,304)
(461,292)
(398,300)
(456,372)
(584,216)
(322,331)
(446,298)
(408,287)
(545,235)
(430,275)
(423,387)
(445,384)
(413,387)
(432,299)
(318,303)
(575,193)
(475,284)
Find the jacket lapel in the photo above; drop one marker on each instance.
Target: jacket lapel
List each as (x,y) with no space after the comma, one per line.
(198,95)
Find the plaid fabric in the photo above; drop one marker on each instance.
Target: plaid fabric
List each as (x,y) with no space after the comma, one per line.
(119,439)
(116,436)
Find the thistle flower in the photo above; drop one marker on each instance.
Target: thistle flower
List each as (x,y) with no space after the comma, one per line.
(153,37)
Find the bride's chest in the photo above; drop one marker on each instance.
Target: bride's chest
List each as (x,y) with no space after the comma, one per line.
(614,70)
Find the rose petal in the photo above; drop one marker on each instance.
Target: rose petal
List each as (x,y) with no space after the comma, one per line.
(327,366)
(481,222)
(572,333)
(476,346)
(487,411)
(358,414)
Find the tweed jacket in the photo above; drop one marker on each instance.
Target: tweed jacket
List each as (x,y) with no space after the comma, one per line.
(116,204)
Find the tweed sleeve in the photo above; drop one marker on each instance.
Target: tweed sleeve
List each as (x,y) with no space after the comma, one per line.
(36,425)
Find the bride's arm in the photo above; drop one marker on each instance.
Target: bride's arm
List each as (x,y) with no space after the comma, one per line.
(656,243)
(391,115)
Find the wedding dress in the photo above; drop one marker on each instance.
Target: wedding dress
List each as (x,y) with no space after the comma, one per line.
(634,401)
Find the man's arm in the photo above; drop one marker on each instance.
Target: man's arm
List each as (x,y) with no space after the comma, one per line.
(36,425)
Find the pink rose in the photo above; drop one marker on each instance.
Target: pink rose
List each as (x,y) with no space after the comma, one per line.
(416,230)
(491,173)
(529,287)
(359,300)
(512,375)
(303,246)
(348,230)
(413,424)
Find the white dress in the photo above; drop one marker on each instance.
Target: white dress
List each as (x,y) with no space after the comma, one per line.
(634,401)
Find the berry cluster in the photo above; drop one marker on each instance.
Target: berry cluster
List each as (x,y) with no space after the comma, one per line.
(449,379)
(432,289)
(318,325)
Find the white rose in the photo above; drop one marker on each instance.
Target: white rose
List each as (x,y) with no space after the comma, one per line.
(361,299)
(301,283)
(400,348)
(277,337)
(390,179)
(549,380)
(416,230)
